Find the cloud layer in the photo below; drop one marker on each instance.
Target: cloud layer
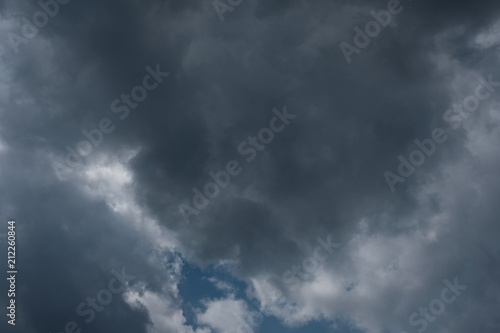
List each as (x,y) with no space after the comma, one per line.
(322,175)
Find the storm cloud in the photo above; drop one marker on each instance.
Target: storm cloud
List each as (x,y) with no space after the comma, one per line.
(323,174)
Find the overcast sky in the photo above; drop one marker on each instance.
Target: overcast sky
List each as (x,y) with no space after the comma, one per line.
(251,166)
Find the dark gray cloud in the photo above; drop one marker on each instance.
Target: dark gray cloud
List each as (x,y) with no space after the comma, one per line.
(323,174)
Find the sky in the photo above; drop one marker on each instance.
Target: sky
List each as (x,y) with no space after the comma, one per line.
(237,166)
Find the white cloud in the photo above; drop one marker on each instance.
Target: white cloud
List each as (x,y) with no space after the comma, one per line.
(165,314)
(227,316)
(222,285)
(489,37)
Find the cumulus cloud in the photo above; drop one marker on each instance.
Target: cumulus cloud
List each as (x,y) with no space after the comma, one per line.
(323,174)
(227,315)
